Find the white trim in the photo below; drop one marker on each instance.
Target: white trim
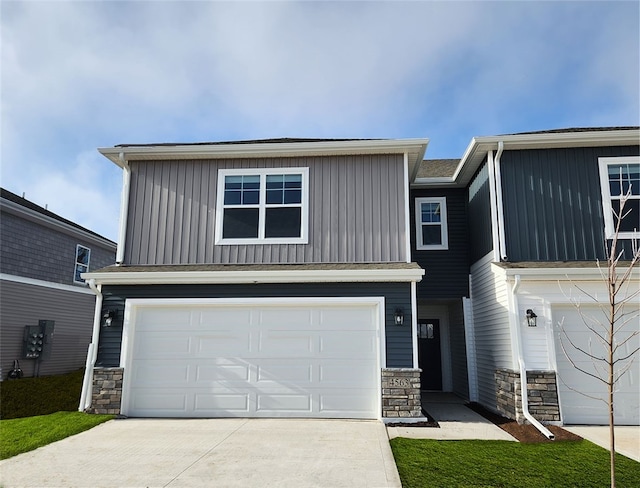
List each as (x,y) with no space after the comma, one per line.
(76,263)
(609,224)
(231,277)
(262,206)
(444,232)
(407,218)
(414,323)
(470,340)
(124,208)
(502,242)
(133,304)
(559,274)
(495,229)
(46,284)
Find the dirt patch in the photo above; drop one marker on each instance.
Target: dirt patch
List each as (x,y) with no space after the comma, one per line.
(429,422)
(524,433)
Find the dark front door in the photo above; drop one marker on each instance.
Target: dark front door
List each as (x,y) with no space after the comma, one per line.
(429,356)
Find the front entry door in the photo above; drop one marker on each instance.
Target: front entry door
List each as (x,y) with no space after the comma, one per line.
(429,356)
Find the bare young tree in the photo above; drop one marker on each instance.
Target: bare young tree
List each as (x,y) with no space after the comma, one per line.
(617,328)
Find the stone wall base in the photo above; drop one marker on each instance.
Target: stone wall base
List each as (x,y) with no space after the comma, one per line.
(542,395)
(106,397)
(401,392)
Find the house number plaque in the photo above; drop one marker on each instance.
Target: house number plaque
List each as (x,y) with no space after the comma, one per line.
(400,383)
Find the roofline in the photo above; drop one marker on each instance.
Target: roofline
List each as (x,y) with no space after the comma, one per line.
(560,274)
(415,147)
(480,146)
(237,277)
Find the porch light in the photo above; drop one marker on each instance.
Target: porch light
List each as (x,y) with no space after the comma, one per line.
(531,318)
(108,317)
(398,316)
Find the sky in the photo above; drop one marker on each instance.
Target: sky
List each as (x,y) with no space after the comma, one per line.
(80,75)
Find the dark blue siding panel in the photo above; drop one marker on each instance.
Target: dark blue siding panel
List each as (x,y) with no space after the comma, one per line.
(397,295)
(447,271)
(480,236)
(553,205)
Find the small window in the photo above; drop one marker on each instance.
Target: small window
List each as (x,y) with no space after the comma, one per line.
(431,223)
(262,206)
(82,263)
(617,176)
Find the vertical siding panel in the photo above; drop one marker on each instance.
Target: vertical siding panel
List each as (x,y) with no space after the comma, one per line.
(154,212)
(203,221)
(136,210)
(351,219)
(171,213)
(188,204)
(211,209)
(333,207)
(162,247)
(179,213)
(377,194)
(342,209)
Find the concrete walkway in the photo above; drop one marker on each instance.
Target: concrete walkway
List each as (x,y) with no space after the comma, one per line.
(211,452)
(627,437)
(457,422)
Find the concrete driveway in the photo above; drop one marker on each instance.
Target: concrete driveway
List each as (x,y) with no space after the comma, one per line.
(211,452)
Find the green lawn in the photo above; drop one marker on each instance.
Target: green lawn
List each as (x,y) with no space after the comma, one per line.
(431,463)
(25,434)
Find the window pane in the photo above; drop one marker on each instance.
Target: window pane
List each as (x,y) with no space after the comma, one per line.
(283,222)
(82,255)
(430,212)
(242,190)
(631,221)
(627,175)
(274,197)
(251,197)
(232,197)
(233,182)
(431,235)
(292,196)
(80,268)
(240,223)
(275,181)
(293,181)
(251,182)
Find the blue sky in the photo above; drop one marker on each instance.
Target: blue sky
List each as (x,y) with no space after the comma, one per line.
(80,75)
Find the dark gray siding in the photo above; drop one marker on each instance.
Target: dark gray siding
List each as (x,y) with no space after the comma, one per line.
(397,295)
(35,251)
(480,233)
(459,370)
(356,212)
(553,204)
(22,304)
(447,271)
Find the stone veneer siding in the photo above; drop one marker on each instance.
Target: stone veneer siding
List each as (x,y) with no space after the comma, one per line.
(107,391)
(401,392)
(542,395)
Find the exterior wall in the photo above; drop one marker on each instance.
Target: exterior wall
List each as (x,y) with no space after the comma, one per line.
(553,203)
(459,371)
(36,251)
(401,393)
(542,395)
(106,396)
(480,231)
(398,339)
(25,304)
(447,270)
(491,327)
(356,212)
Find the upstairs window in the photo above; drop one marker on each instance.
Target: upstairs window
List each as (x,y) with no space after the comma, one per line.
(82,263)
(431,223)
(617,176)
(262,206)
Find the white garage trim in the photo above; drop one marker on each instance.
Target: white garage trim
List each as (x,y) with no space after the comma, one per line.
(134,306)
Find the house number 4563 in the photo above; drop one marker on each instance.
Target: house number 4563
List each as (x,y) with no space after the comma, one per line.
(400,382)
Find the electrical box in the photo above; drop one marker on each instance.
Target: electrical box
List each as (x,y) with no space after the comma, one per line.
(37,340)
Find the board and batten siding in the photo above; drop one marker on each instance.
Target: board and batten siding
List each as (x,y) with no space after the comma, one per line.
(25,304)
(398,339)
(480,229)
(447,270)
(356,212)
(553,204)
(489,298)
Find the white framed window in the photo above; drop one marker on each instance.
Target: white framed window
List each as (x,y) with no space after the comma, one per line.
(83,255)
(262,206)
(431,223)
(617,175)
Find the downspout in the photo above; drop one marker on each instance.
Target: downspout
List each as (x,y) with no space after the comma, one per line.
(499,203)
(124,208)
(92,353)
(523,370)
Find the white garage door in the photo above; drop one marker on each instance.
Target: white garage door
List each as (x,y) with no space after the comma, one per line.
(576,407)
(311,358)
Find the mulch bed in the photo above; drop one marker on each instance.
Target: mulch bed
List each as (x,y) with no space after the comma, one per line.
(523,433)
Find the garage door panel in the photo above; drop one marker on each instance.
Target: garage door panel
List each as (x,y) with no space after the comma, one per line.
(254,361)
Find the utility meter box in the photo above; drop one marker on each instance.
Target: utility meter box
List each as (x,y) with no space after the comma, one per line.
(37,340)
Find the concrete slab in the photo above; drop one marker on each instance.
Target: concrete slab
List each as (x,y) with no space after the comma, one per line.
(212,452)
(627,437)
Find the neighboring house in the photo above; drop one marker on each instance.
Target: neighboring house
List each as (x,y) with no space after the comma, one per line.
(42,257)
(534,212)
(285,277)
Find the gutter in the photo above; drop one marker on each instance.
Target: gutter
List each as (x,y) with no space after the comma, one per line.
(124,207)
(502,249)
(92,352)
(522,367)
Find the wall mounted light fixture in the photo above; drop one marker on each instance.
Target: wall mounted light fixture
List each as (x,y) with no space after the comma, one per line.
(531,318)
(107,317)
(398,316)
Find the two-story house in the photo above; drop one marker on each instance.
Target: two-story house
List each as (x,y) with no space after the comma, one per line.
(42,258)
(260,279)
(509,237)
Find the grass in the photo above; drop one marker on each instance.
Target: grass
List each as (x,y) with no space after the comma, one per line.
(432,463)
(25,434)
(27,397)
